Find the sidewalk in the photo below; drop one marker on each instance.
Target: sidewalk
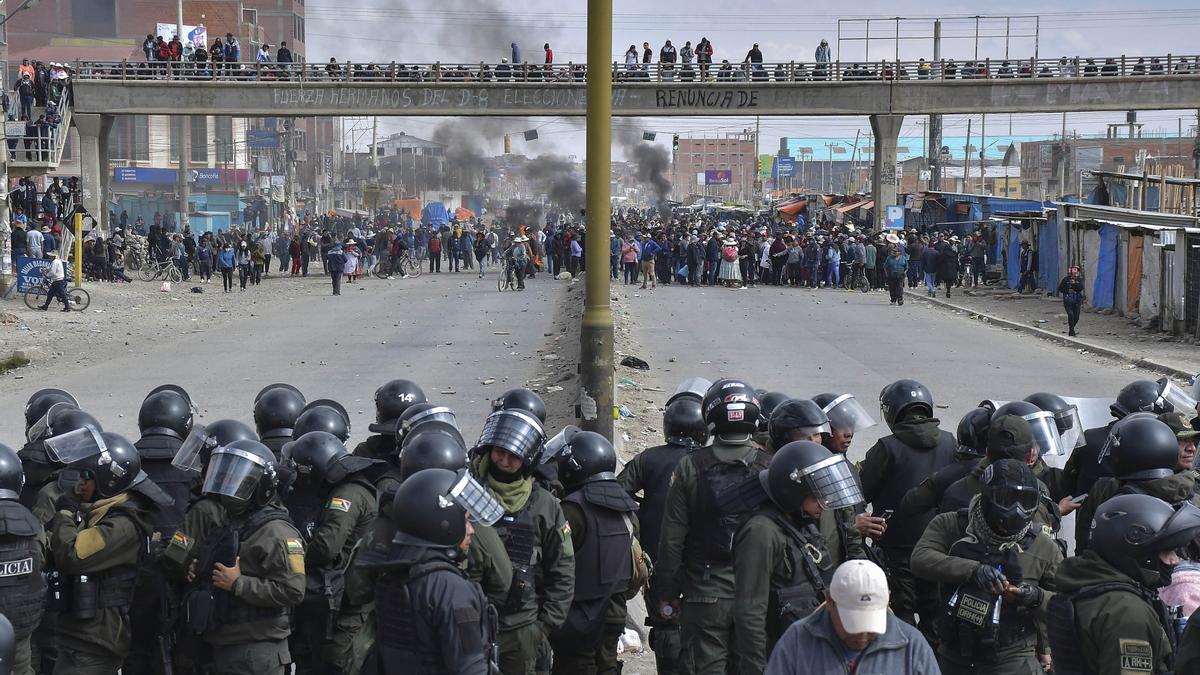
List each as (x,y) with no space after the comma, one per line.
(1037,314)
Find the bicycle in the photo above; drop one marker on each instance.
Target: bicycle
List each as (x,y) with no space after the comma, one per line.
(36,296)
(860,282)
(160,269)
(409,267)
(508,280)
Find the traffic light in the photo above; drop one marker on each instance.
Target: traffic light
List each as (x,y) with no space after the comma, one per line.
(675,143)
(759,170)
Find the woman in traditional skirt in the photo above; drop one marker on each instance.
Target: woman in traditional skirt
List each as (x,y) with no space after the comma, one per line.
(730,275)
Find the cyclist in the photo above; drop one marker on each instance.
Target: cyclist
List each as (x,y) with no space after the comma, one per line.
(515,259)
(58,283)
(397,253)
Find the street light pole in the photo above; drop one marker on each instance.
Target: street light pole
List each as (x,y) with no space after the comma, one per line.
(595,407)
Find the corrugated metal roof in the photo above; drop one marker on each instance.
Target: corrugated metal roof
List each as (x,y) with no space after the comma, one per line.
(1128,217)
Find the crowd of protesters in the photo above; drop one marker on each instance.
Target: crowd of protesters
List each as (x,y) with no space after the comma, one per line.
(38,100)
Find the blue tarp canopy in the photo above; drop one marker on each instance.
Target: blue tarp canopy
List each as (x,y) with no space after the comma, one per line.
(1106,268)
(1047,247)
(435,213)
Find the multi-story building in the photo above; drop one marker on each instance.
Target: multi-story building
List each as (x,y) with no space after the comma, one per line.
(735,153)
(1052,168)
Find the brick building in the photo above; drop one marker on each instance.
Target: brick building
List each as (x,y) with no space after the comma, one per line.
(1044,164)
(733,152)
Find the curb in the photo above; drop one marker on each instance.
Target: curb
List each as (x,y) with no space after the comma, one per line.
(1140,362)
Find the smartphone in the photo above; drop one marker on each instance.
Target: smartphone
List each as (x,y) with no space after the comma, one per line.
(1079,500)
(887,515)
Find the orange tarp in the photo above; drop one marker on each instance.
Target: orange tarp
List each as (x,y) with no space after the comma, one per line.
(413,206)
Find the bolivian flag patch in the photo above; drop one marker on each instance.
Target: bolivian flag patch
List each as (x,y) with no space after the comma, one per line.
(339,504)
(566,529)
(295,547)
(295,551)
(181,540)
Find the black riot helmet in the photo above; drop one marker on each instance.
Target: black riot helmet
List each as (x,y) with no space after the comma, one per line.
(796,417)
(166,413)
(431,507)
(1042,425)
(767,403)
(1142,447)
(391,400)
(845,413)
(973,432)
(1009,496)
(683,423)
(277,385)
(522,399)
(514,431)
(803,468)
(243,471)
(87,454)
(1138,396)
(228,431)
(315,455)
(902,396)
(12,474)
(587,458)
(60,419)
(321,417)
(276,410)
(1129,532)
(422,413)
(1066,417)
(40,403)
(431,449)
(175,388)
(731,407)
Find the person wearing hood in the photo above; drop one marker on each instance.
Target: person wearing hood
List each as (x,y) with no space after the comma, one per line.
(992,555)
(335,262)
(243,263)
(822,57)
(225,262)
(916,448)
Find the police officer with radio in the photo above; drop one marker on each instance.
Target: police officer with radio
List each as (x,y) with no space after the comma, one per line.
(535,535)
(996,571)
(783,538)
(332,504)
(695,556)
(391,400)
(22,560)
(649,472)
(1106,616)
(242,561)
(276,408)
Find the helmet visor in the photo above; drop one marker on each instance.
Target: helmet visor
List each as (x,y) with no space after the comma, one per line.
(845,413)
(1070,428)
(74,446)
(438,414)
(1180,400)
(233,473)
(694,386)
(514,431)
(1021,497)
(562,440)
(481,505)
(832,481)
(1046,438)
(190,456)
(42,428)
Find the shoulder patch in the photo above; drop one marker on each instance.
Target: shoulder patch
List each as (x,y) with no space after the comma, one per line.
(1136,656)
(181,540)
(295,547)
(566,530)
(1047,530)
(339,504)
(295,555)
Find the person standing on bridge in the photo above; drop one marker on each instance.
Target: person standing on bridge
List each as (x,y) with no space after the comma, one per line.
(666,60)
(704,54)
(686,54)
(755,58)
(516,54)
(284,56)
(549,53)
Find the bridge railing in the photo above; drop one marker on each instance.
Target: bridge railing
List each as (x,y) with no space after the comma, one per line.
(576,73)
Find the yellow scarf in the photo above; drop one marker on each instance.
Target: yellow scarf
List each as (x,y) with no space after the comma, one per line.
(97,510)
(512,496)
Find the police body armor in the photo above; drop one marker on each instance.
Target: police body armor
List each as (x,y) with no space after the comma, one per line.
(603,561)
(657,469)
(907,468)
(1062,624)
(975,624)
(38,471)
(113,588)
(713,544)
(812,569)
(1085,456)
(209,607)
(156,452)
(405,641)
(520,537)
(275,444)
(22,587)
(324,587)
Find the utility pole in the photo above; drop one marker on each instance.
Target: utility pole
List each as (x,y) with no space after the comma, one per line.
(595,407)
(185,144)
(967,159)
(1062,160)
(982,149)
(6,249)
(935,121)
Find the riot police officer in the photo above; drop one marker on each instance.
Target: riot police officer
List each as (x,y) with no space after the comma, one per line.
(767,401)
(391,400)
(431,619)
(323,415)
(603,521)
(1143,453)
(783,539)
(522,399)
(276,408)
(332,504)
(1070,429)
(695,556)
(796,419)
(649,472)
(972,446)
(38,470)
(98,535)
(60,419)
(846,417)
(165,420)
(1084,466)
(1106,616)
(22,557)
(916,449)
(243,562)
(995,570)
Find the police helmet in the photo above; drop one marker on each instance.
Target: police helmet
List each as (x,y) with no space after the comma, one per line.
(1142,447)
(12,475)
(41,401)
(522,399)
(431,507)
(731,407)
(973,432)
(1138,396)
(845,413)
(516,432)
(693,387)
(1042,425)
(277,385)
(1129,532)
(166,413)
(322,418)
(431,449)
(60,419)
(796,417)
(315,454)
(276,410)
(902,396)
(1066,417)
(87,454)
(766,403)
(391,400)
(803,468)
(587,458)
(683,423)
(1009,496)
(423,413)
(244,471)
(225,432)
(175,388)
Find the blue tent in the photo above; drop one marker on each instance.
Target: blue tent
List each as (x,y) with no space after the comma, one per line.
(1104,290)
(435,213)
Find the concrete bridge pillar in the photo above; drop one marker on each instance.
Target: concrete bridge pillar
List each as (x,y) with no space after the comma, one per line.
(93,163)
(883,174)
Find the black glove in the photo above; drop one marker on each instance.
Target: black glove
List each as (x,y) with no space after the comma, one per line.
(989,579)
(1028,596)
(67,501)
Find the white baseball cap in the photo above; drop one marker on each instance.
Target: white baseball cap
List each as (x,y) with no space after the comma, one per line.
(860,591)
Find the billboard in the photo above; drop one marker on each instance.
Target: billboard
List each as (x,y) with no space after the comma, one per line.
(198,35)
(718,177)
(766,166)
(785,167)
(256,138)
(894,218)
(29,272)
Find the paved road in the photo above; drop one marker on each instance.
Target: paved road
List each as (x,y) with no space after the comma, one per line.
(437,330)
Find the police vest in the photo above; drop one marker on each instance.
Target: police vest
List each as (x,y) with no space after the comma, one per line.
(1066,641)
(907,467)
(711,542)
(38,471)
(812,569)
(275,444)
(22,588)
(518,531)
(113,588)
(179,485)
(603,562)
(407,640)
(658,464)
(974,623)
(210,607)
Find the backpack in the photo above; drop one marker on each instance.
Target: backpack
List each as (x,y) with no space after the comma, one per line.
(729,253)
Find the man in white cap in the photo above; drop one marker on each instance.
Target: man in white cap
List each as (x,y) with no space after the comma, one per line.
(58,283)
(853,632)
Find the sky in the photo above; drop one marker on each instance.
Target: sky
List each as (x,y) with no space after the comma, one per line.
(469,31)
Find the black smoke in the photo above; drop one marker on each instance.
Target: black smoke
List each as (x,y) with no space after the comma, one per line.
(652,163)
(558,177)
(518,212)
